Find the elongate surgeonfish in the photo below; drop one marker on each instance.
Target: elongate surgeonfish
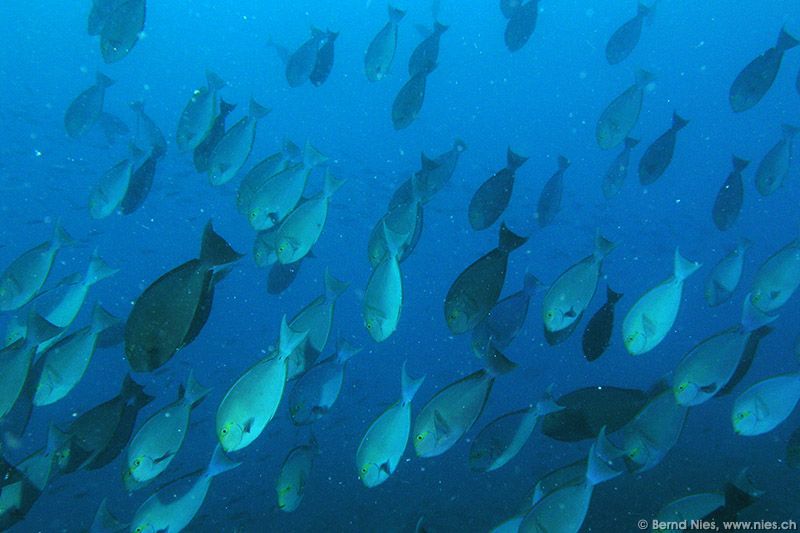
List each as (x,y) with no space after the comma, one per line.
(408,102)
(424,57)
(597,335)
(793,450)
(121,30)
(85,110)
(702,508)
(199,114)
(617,172)
(324,61)
(730,197)
(777,278)
(170,313)
(233,149)
(295,470)
(621,115)
(477,289)
(380,53)
(626,37)
(108,193)
(521,25)
(753,82)
(383,297)
(492,197)
(766,404)
(725,276)
(300,63)
(774,167)
(550,197)
(658,155)
(201,156)
(431,178)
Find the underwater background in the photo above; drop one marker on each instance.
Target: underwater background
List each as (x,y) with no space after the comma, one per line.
(544,101)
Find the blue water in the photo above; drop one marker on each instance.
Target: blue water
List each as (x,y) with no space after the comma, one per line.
(543,101)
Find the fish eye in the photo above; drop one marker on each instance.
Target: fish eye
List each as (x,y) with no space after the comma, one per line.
(549,314)
(364,469)
(137,462)
(420,437)
(682,386)
(369,325)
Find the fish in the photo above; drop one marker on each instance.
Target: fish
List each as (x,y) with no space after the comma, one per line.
(550,197)
(199,114)
(424,57)
(383,297)
(709,366)
(777,278)
(61,305)
(621,115)
(159,439)
(260,174)
(793,450)
(774,167)
(315,392)
(113,127)
(301,229)
(62,366)
(155,515)
(86,109)
(477,289)
(107,195)
(730,197)
(295,470)
(708,507)
(572,292)
(121,30)
(99,14)
(431,178)
(617,173)
(408,102)
(406,220)
(281,276)
(25,276)
(324,61)
(253,399)
(626,37)
(171,311)
(507,7)
(152,135)
(141,181)
(492,197)
(765,405)
(746,361)
(233,149)
(597,335)
(587,410)
(105,522)
(302,61)
(384,443)
(502,439)
(652,316)
(380,53)
(725,276)
(98,436)
(754,80)
(521,25)
(450,413)
(201,156)
(658,155)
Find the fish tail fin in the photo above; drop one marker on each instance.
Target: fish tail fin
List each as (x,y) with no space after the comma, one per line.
(530,282)
(61,236)
(289,339)
(743,245)
(563,162)
(104,521)
(102,319)
(334,287)
(98,270)
(789,131)
(428,164)
(600,461)
(514,160)
(678,122)
(215,250)
(193,392)
(345,351)
(290,149)
(409,385)
(643,77)
(134,391)
(394,241)
(439,28)
(642,9)
(56,439)
(312,157)
(611,296)
(631,142)
(602,246)
(332,184)
(459,145)
(396,15)
(736,499)
(103,80)
(739,164)
(225,108)
(40,329)
(215,83)
(683,267)
(752,317)
(785,41)
(220,463)
(136,152)
(547,404)
(257,110)
(510,241)
(497,364)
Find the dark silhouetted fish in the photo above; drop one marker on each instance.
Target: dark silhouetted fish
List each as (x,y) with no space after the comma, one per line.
(476,290)
(170,313)
(521,25)
(597,335)
(281,276)
(730,197)
(141,181)
(492,197)
(555,338)
(324,62)
(148,134)
(757,77)
(113,127)
(202,153)
(550,197)
(99,14)
(622,114)
(658,155)
(507,7)
(87,108)
(793,450)
(773,169)
(302,61)
(408,102)
(121,30)
(587,410)
(618,171)
(749,354)
(423,58)
(626,37)
(431,178)
(380,53)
